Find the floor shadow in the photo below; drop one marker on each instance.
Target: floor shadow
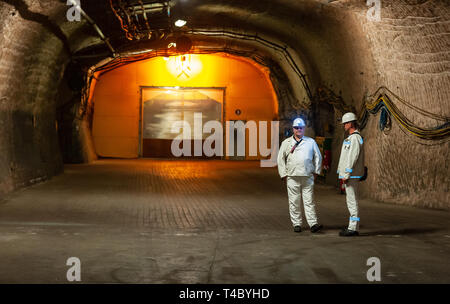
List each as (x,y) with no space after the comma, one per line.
(333,227)
(404,231)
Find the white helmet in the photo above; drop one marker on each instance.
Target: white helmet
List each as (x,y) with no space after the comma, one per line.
(298,122)
(348,117)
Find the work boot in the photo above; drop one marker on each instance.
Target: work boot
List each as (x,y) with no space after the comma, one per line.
(347,232)
(297,229)
(316,228)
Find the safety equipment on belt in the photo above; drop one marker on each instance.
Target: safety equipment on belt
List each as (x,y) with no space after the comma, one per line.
(364,177)
(349,117)
(341,186)
(298,122)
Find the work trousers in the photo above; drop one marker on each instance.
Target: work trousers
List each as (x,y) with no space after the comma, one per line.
(301,188)
(351,190)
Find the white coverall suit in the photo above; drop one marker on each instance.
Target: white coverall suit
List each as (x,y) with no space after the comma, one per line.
(299,167)
(351,167)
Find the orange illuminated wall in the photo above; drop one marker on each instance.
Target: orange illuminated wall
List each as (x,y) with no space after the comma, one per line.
(117,98)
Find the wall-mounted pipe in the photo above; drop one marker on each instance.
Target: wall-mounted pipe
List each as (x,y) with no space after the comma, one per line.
(282,49)
(95,26)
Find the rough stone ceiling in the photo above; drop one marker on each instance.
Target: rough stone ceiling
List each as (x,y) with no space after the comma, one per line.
(276,18)
(280,19)
(292,23)
(332,40)
(286,23)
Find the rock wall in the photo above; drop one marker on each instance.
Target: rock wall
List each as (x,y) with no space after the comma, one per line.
(407,51)
(30,70)
(411,50)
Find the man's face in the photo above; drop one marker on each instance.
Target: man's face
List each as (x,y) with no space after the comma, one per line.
(299,131)
(347,126)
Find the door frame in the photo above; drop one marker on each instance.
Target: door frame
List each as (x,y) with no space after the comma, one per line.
(141,111)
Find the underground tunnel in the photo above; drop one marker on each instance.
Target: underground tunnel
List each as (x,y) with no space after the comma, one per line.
(159,122)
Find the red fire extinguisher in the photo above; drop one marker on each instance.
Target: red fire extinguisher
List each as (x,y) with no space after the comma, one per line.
(326,160)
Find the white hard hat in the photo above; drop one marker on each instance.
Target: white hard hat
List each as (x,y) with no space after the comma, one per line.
(349,117)
(298,122)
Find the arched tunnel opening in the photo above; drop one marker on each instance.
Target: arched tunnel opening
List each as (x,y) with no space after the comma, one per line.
(168,118)
(135,106)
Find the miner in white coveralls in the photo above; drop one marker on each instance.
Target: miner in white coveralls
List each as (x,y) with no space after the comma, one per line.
(299,162)
(351,169)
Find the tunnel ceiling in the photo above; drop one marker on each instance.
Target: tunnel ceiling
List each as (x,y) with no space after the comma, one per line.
(290,23)
(307,28)
(310,29)
(274,18)
(332,41)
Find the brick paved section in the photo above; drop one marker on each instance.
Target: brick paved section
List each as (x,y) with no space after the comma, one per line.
(182,221)
(159,194)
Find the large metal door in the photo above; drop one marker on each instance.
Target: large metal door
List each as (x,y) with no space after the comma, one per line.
(164,107)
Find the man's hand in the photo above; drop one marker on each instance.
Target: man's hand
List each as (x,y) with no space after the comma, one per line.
(344,181)
(315,176)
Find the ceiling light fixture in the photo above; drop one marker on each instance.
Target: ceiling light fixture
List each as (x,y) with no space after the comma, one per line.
(180,23)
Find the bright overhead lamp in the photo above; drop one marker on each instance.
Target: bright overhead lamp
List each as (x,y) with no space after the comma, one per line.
(180,23)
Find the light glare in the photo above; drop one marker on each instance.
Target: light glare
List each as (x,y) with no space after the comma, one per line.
(180,23)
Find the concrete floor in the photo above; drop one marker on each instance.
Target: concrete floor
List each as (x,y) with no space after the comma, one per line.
(155,221)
